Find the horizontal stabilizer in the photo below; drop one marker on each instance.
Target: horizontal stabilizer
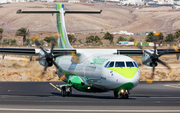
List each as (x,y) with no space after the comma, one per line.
(51,12)
(94,12)
(20,11)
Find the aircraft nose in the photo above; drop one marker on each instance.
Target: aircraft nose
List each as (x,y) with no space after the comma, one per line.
(128,76)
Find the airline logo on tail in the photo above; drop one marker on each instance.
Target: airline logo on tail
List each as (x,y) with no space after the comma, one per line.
(63,41)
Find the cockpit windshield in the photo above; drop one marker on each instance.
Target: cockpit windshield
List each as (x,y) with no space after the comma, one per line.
(129,64)
(106,64)
(119,64)
(111,64)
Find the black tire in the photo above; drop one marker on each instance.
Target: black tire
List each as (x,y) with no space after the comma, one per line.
(63,92)
(116,94)
(126,96)
(121,96)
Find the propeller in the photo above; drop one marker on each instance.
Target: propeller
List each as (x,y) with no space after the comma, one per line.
(47,59)
(154,57)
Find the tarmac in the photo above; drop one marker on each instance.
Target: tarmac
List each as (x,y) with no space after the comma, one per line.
(39,97)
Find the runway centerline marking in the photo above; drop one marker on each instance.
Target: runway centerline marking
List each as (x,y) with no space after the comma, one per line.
(172,86)
(76,110)
(55,86)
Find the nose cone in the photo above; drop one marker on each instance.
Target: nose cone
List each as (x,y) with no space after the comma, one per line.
(128,78)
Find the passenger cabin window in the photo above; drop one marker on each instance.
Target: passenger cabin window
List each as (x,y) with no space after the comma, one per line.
(129,64)
(119,64)
(111,65)
(106,64)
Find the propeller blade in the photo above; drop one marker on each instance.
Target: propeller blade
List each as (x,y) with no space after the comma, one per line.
(148,60)
(152,76)
(52,48)
(55,65)
(57,55)
(46,65)
(163,63)
(43,50)
(38,59)
(175,48)
(155,41)
(148,52)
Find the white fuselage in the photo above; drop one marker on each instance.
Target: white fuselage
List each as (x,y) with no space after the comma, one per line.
(93,68)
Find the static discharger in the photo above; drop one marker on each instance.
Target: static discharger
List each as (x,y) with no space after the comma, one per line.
(55,86)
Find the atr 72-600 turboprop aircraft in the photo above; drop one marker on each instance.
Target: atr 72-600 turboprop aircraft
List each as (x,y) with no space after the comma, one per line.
(91,70)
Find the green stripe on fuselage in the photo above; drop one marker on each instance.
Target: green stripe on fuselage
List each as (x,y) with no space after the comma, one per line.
(128,72)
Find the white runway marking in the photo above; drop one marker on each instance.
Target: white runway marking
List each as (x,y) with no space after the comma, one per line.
(174,86)
(76,110)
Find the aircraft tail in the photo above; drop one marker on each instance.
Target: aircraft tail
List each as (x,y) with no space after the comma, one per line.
(63,41)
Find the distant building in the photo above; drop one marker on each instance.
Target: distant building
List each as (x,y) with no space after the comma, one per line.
(73,1)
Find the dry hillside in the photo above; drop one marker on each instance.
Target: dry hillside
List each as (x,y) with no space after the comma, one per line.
(113,18)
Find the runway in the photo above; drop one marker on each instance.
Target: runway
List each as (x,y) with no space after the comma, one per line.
(39,97)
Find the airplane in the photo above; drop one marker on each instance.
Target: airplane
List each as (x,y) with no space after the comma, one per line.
(91,70)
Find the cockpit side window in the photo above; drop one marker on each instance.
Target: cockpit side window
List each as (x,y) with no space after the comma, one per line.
(106,64)
(119,64)
(129,64)
(135,64)
(111,65)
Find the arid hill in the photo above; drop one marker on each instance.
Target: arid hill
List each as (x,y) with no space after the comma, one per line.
(114,18)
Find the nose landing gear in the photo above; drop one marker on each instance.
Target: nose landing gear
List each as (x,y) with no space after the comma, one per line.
(123,94)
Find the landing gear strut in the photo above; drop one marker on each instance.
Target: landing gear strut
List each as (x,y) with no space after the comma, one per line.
(66,90)
(123,94)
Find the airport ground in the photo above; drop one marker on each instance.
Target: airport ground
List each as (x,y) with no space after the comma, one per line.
(39,97)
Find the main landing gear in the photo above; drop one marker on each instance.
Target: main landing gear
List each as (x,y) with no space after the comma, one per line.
(124,94)
(66,90)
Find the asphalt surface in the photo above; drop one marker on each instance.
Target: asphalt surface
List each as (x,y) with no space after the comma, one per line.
(39,97)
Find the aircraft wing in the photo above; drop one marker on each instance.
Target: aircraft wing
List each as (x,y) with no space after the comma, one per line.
(33,52)
(140,52)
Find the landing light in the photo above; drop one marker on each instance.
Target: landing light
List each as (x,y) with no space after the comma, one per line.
(122,91)
(88,87)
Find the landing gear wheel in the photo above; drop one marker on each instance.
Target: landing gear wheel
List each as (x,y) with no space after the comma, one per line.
(69,93)
(116,94)
(63,92)
(122,96)
(126,96)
